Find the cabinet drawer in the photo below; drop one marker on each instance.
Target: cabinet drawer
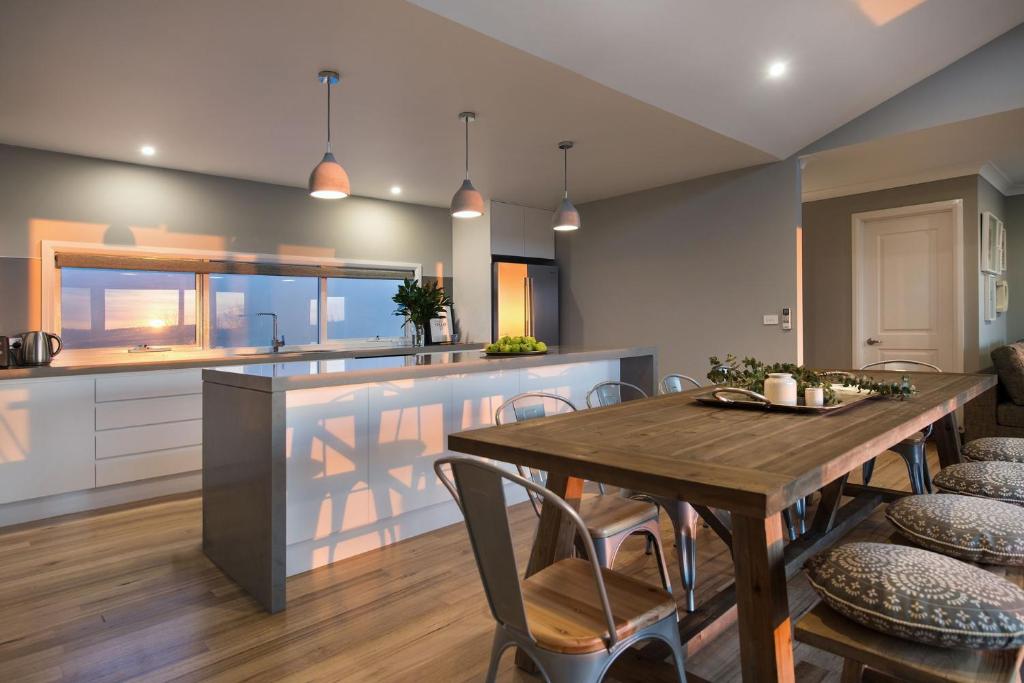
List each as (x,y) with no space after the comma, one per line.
(130,440)
(148,465)
(148,411)
(129,385)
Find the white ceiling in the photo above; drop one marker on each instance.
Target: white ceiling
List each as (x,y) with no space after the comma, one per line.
(991,145)
(706,61)
(228,86)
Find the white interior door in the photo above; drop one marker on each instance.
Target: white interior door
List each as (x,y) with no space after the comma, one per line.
(908,280)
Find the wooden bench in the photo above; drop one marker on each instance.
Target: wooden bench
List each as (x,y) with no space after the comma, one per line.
(868,653)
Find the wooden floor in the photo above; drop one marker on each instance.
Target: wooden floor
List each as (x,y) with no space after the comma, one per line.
(127,594)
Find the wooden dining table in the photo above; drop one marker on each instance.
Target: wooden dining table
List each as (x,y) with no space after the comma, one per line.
(740,469)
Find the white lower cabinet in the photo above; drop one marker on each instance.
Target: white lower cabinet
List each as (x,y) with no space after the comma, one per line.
(46,438)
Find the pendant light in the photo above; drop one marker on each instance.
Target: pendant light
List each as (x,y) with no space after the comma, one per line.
(566,217)
(328,180)
(467,202)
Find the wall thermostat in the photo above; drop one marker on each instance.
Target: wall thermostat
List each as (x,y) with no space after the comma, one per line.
(787,319)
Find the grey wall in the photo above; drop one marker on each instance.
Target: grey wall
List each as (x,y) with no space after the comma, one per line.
(1014,220)
(986,81)
(689,268)
(828,265)
(991,334)
(45,195)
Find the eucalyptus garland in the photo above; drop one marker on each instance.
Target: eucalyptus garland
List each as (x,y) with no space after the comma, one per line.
(751,373)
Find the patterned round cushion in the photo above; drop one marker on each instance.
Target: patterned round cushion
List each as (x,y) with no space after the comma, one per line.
(995,448)
(920,595)
(973,529)
(996,480)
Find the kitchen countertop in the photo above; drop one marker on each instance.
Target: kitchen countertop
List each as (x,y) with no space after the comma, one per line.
(308,374)
(150,361)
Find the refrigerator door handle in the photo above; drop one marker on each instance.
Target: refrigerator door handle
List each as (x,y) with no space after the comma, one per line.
(526,305)
(533,313)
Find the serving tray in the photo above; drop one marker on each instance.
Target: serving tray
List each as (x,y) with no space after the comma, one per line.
(499,354)
(726,397)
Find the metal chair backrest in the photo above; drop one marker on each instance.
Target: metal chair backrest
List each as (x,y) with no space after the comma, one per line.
(883,363)
(479,490)
(531,406)
(609,393)
(675,383)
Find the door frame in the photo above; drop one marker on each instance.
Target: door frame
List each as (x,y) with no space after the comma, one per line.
(858,221)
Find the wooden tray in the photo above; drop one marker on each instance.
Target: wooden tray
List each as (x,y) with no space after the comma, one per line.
(725,397)
(499,354)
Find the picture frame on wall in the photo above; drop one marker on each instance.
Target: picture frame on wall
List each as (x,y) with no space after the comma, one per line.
(1002,247)
(1002,296)
(990,237)
(990,298)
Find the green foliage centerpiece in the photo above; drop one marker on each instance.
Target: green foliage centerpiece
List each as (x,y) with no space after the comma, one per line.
(419,304)
(751,373)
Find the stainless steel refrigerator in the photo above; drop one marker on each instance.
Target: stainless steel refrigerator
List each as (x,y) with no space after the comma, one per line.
(524,300)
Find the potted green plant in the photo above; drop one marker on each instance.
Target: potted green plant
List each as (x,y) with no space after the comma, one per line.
(419,304)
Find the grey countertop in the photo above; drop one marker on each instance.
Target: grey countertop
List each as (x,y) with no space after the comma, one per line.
(308,374)
(147,362)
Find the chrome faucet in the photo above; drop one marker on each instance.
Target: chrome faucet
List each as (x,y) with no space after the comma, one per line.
(275,343)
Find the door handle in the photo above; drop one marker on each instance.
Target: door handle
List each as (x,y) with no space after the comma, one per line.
(872,342)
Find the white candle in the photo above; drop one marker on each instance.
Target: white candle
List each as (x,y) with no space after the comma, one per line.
(814,396)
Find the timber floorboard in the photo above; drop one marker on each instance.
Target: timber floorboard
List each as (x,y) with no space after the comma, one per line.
(126,594)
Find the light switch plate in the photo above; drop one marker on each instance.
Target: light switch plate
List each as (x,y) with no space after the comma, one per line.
(771,320)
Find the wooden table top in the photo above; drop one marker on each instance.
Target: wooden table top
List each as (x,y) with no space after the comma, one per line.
(750,462)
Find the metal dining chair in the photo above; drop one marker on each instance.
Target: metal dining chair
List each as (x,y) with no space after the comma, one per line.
(674,383)
(610,520)
(572,632)
(911,449)
(684,517)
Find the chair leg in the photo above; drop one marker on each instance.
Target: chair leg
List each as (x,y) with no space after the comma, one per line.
(684,522)
(653,534)
(801,515)
(867,469)
(913,456)
(787,518)
(927,474)
(497,647)
(603,550)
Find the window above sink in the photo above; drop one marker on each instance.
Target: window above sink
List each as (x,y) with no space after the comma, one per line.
(106,300)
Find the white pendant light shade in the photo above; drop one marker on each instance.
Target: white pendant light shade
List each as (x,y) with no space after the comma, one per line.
(467,201)
(328,179)
(566,217)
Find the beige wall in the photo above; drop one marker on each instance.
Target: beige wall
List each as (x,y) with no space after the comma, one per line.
(45,195)
(828,266)
(1014,220)
(689,268)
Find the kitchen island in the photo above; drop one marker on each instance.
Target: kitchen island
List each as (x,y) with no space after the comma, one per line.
(307,463)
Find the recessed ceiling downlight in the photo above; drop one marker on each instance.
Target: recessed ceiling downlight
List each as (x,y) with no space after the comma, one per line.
(147,150)
(777,69)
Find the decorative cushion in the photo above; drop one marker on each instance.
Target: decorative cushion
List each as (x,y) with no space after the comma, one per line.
(973,529)
(996,480)
(1009,414)
(920,595)
(990,448)
(1009,363)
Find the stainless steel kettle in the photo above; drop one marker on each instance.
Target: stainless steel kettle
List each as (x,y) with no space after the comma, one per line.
(36,348)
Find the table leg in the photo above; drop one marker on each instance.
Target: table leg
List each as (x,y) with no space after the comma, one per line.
(947,440)
(555,538)
(766,637)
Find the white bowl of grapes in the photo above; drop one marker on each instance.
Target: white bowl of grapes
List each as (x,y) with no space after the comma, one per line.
(516,346)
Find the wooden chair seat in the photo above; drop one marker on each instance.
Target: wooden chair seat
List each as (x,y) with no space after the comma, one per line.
(608,515)
(564,613)
(826,629)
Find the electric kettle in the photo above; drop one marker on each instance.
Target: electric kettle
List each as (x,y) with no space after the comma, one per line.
(36,348)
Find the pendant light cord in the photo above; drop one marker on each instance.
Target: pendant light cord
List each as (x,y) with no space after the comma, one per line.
(467,148)
(565,172)
(327,82)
